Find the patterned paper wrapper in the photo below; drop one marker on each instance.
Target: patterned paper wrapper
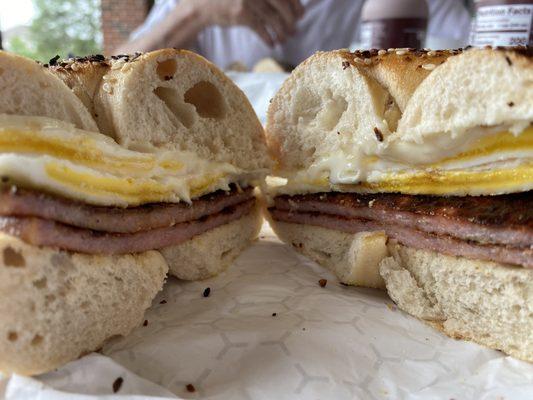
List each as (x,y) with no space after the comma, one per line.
(268,330)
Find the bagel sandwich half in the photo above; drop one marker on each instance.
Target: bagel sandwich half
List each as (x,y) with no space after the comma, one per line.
(179,106)
(412,171)
(113,172)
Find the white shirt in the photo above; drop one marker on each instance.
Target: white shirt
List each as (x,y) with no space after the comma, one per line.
(326,25)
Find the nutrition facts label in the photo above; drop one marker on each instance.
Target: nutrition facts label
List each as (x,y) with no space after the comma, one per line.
(503,25)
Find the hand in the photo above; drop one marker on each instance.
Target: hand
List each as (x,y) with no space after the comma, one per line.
(273,20)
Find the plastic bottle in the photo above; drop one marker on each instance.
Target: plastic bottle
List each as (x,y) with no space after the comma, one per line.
(502,23)
(394,23)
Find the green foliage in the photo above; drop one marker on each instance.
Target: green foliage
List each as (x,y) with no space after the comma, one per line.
(64,27)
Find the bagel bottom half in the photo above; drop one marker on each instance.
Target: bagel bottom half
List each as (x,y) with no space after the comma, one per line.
(485,302)
(210,253)
(57,305)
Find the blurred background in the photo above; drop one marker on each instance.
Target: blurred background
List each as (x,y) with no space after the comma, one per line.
(246,34)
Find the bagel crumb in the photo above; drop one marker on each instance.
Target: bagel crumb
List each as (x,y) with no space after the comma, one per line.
(345,64)
(323,282)
(190,388)
(207,292)
(510,104)
(117,384)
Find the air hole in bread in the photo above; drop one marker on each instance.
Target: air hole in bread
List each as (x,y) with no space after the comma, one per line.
(166,69)
(226,253)
(49,298)
(84,305)
(12,336)
(40,283)
(305,106)
(13,258)
(37,340)
(331,112)
(392,113)
(207,100)
(449,111)
(182,111)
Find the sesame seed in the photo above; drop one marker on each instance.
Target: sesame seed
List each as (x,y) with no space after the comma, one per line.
(429,67)
(382,52)
(401,52)
(368,61)
(378,133)
(53,61)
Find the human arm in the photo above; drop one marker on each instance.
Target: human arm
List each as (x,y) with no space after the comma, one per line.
(273,20)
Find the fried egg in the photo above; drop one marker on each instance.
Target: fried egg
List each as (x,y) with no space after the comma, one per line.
(53,156)
(483,162)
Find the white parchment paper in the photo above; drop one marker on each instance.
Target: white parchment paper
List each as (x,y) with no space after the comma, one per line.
(335,342)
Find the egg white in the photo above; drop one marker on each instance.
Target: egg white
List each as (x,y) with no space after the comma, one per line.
(484,162)
(54,156)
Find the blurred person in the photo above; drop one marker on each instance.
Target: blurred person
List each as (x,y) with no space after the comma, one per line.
(289,31)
